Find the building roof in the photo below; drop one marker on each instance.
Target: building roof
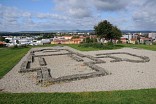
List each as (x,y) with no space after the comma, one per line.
(77,39)
(133,39)
(143,38)
(2,42)
(123,39)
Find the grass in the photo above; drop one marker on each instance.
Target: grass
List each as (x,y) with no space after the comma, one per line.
(118,46)
(142,46)
(82,48)
(9,57)
(145,96)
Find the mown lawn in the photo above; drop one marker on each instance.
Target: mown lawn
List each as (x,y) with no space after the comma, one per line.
(145,96)
(142,46)
(118,46)
(9,57)
(81,48)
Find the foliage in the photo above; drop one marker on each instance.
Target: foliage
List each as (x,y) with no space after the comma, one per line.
(106,30)
(100,46)
(75,37)
(116,33)
(103,29)
(47,36)
(2,38)
(154,43)
(144,96)
(17,41)
(89,40)
(7,40)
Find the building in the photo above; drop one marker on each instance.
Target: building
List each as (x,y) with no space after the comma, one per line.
(123,40)
(127,36)
(2,44)
(133,41)
(67,37)
(152,35)
(147,41)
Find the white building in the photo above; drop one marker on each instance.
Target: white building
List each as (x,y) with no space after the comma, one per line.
(152,35)
(127,36)
(45,41)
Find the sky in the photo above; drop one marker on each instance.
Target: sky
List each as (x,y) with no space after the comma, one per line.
(46,15)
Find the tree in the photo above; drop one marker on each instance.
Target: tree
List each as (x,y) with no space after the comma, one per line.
(103,29)
(106,30)
(2,38)
(17,41)
(116,33)
(7,40)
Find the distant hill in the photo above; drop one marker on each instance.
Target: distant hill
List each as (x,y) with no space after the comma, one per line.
(3,33)
(131,31)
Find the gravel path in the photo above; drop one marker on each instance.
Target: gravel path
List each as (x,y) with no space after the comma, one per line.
(125,75)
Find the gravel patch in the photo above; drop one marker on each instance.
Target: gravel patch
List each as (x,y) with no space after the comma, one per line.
(124,75)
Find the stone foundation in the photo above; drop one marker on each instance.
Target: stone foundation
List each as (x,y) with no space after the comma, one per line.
(44,77)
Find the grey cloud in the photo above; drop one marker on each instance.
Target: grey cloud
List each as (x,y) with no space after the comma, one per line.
(49,16)
(145,17)
(74,8)
(110,5)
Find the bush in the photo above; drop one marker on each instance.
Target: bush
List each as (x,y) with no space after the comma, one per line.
(90,40)
(98,45)
(154,43)
(20,46)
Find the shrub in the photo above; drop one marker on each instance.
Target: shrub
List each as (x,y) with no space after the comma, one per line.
(97,45)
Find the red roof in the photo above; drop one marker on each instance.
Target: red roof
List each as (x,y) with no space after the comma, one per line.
(145,38)
(123,38)
(77,39)
(67,36)
(133,39)
(2,43)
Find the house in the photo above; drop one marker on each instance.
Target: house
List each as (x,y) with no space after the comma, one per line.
(152,35)
(147,41)
(76,41)
(59,41)
(68,40)
(67,37)
(127,36)
(46,41)
(133,41)
(2,44)
(123,40)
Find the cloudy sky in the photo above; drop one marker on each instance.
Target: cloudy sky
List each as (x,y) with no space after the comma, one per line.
(40,15)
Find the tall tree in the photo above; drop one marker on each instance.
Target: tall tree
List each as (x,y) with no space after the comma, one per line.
(106,30)
(116,33)
(7,40)
(103,29)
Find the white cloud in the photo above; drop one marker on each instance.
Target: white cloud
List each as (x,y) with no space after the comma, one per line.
(81,14)
(74,8)
(145,16)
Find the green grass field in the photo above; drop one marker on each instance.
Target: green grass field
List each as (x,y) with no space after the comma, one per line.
(9,57)
(145,96)
(147,47)
(118,46)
